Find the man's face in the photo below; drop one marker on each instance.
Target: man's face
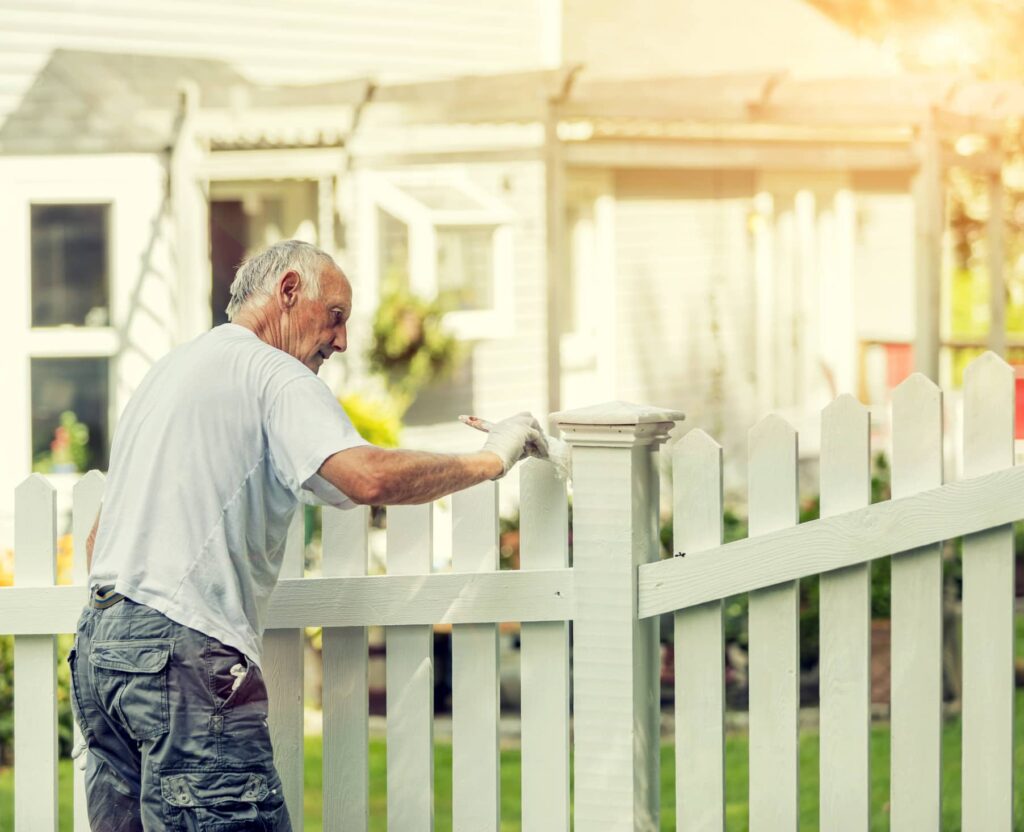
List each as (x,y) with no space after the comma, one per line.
(317,327)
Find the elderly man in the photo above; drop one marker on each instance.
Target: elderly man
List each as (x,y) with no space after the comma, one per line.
(222,440)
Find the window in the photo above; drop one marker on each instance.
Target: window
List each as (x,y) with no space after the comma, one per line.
(444,239)
(70,265)
(70,385)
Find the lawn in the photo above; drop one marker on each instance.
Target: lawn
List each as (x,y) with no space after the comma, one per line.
(736,774)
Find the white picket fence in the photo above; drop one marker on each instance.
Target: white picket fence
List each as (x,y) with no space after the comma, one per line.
(613,595)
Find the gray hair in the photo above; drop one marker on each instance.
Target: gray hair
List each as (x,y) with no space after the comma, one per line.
(259,273)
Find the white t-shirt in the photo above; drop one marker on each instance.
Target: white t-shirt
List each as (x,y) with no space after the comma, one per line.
(211,456)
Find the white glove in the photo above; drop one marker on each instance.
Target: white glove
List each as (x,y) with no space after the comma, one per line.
(512,439)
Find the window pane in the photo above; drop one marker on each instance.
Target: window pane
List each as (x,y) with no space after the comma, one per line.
(70,263)
(79,386)
(393,235)
(465,267)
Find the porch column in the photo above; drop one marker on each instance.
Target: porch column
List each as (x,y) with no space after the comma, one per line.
(929,220)
(615,656)
(996,256)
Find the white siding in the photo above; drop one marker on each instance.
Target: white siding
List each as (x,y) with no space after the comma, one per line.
(685,295)
(281,41)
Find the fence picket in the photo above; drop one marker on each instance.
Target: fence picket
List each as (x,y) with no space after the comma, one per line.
(544,657)
(845,622)
(774,627)
(35,663)
(283,671)
(345,688)
(988,598)
(410,682)
(699,641)
(476,774)
(86,498)
(916,757)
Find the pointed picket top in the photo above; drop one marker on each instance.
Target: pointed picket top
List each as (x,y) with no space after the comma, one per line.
(698,441)
(86,497)
(697,492)
(916,436)
(845,455)
(989,411)
(772,458)
(35,532)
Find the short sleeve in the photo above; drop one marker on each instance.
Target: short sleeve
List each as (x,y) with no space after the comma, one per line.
(304,426)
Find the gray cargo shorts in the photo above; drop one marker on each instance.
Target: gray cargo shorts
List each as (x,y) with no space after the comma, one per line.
(175,723)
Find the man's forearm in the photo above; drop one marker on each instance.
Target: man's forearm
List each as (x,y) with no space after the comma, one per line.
(405,477)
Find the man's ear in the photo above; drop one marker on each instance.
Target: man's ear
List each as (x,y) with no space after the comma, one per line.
(288,289)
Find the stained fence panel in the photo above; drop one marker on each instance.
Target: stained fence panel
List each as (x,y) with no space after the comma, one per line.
(988,598)
(774,626)
(845,621)
(916,755)
(544,657)
(476,772)
(87,495)
(345,683)
(283,671)
(35,664)
(410,682)
(699,641)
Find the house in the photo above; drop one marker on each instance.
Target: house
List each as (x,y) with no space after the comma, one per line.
(627,202)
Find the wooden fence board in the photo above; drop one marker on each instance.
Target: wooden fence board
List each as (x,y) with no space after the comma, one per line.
(410,682)
(35,664)
(476,775)
(544,657)
(699,642)
(283,673)
(87,495)
(346,793)
(845,628)
(988,599)
(774,628)
(916,756)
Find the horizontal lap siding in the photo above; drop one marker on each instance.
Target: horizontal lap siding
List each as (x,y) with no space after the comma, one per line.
(278,40)
(684,265)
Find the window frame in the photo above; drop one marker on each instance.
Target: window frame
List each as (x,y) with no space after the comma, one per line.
(73,340)
(385,192)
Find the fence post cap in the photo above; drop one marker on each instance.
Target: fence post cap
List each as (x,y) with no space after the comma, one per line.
(616,423)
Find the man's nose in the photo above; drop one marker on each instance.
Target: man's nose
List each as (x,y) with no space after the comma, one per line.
(340,342)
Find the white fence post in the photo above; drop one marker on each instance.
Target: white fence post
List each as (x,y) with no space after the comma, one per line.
(544,657)
(774,623)
(988,565)
(35,664)
(616,690)
(87,495)
(916,761)
(283,673)
(346,740)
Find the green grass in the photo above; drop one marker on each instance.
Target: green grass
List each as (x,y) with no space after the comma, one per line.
(736,779)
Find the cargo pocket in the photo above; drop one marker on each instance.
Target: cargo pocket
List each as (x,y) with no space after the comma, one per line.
(76,688)
(221,801)
(131,683)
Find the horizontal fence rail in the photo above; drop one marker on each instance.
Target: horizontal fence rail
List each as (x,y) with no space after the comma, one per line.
(818,546)
(371,601)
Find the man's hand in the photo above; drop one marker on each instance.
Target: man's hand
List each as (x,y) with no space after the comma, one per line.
(512,439)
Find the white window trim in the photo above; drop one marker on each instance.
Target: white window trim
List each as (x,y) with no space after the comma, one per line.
(384,192)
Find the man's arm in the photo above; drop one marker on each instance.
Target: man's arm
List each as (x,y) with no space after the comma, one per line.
(90,542)
(378,476)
